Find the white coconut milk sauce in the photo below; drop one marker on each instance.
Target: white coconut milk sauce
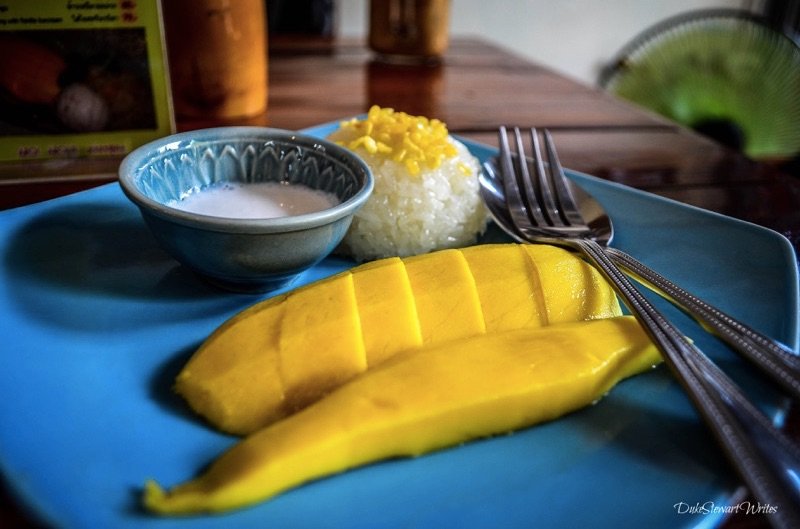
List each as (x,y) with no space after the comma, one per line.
(262,200)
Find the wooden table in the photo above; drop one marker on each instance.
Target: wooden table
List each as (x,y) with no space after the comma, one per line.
(477,88)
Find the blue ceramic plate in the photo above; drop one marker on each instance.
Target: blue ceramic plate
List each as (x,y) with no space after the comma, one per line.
(97,320)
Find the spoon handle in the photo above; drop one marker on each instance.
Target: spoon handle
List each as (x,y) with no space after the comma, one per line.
(775,359)
(766,459)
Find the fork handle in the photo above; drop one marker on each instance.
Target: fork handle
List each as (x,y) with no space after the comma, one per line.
(775,359)
(766,459)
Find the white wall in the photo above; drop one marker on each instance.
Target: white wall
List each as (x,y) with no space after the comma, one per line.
(575,37)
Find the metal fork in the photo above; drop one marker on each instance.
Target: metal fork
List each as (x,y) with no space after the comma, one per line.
(542,210)
(773,358)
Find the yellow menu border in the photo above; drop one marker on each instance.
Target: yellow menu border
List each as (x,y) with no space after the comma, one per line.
(45,15)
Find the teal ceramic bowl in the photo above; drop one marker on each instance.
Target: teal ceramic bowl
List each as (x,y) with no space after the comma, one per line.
(249,255)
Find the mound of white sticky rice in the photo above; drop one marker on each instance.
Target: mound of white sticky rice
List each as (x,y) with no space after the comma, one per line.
(415,207)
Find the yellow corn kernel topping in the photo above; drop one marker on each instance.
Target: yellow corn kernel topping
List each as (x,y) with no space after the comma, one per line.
(416,142)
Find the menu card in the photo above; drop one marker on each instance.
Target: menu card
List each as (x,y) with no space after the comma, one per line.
(81,79)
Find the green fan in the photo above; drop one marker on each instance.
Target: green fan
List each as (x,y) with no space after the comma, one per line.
(725,73)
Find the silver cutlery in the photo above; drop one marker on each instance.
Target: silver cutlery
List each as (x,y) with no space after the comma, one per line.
(773,358)
(534,202)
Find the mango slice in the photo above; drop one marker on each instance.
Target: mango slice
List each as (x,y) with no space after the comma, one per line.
(432,398)
(382,289)
(445,295)
(310,319)
(281,355)
(506,279)
(225,379)
(570,288)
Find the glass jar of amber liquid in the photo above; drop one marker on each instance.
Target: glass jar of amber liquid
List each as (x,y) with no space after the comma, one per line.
(217,57)
(409,31)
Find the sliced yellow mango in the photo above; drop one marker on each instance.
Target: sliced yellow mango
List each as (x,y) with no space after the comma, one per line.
(283,354)
(320,344)
(572,290)
(389,321)
(508,287)
(426,400)
(445,295)
(224,381)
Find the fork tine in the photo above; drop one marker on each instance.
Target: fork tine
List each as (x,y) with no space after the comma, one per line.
(543,181)
(529,198)
(516,206)
(514,169)
(568,208)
